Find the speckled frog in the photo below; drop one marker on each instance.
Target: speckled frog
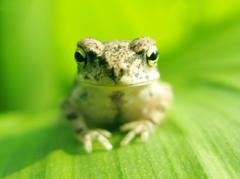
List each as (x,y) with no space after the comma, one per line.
(118,85)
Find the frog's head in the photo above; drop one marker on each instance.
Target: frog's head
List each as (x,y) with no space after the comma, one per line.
(117,62)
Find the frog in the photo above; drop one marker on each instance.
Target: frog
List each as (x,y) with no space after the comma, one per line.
(117,86)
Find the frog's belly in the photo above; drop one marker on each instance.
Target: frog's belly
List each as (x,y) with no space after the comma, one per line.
(108,106)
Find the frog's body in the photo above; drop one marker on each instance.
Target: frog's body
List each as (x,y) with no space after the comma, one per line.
(117,84)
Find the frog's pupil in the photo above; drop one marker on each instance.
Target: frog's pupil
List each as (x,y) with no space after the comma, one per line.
(79,57)
(153,56)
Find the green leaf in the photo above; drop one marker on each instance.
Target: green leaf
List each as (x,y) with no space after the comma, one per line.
(200,138)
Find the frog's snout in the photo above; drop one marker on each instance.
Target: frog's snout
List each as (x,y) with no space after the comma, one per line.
(125,80)
(121,76)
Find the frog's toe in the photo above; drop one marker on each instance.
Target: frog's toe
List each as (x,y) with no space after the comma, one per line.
(100,135)
(145,135)
(105,132)
(142,128)
(128,126)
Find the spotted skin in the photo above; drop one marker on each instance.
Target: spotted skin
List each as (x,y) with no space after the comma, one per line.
(118,85)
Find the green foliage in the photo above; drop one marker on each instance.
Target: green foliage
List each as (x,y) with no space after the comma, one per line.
(38,39)
(200,45)
(200,139)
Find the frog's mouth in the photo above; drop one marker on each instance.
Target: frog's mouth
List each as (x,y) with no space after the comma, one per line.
(123,79)
(115,85)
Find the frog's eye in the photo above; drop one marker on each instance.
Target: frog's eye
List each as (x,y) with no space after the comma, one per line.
(80,55)
(152,55)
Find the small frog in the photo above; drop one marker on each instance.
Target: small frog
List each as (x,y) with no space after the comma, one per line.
(117,85)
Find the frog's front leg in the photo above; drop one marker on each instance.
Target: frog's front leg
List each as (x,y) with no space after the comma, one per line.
(157,99)
(95,134)
(87,136)
(84,134)
(142,127)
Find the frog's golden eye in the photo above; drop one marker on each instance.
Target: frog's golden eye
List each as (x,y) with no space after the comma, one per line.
(152,55)
(80,55)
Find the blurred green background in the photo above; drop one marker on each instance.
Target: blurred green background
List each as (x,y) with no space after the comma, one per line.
(199,44)
(38,39)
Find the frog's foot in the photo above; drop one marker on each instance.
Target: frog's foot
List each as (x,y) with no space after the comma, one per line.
(142,128)
(98,134)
